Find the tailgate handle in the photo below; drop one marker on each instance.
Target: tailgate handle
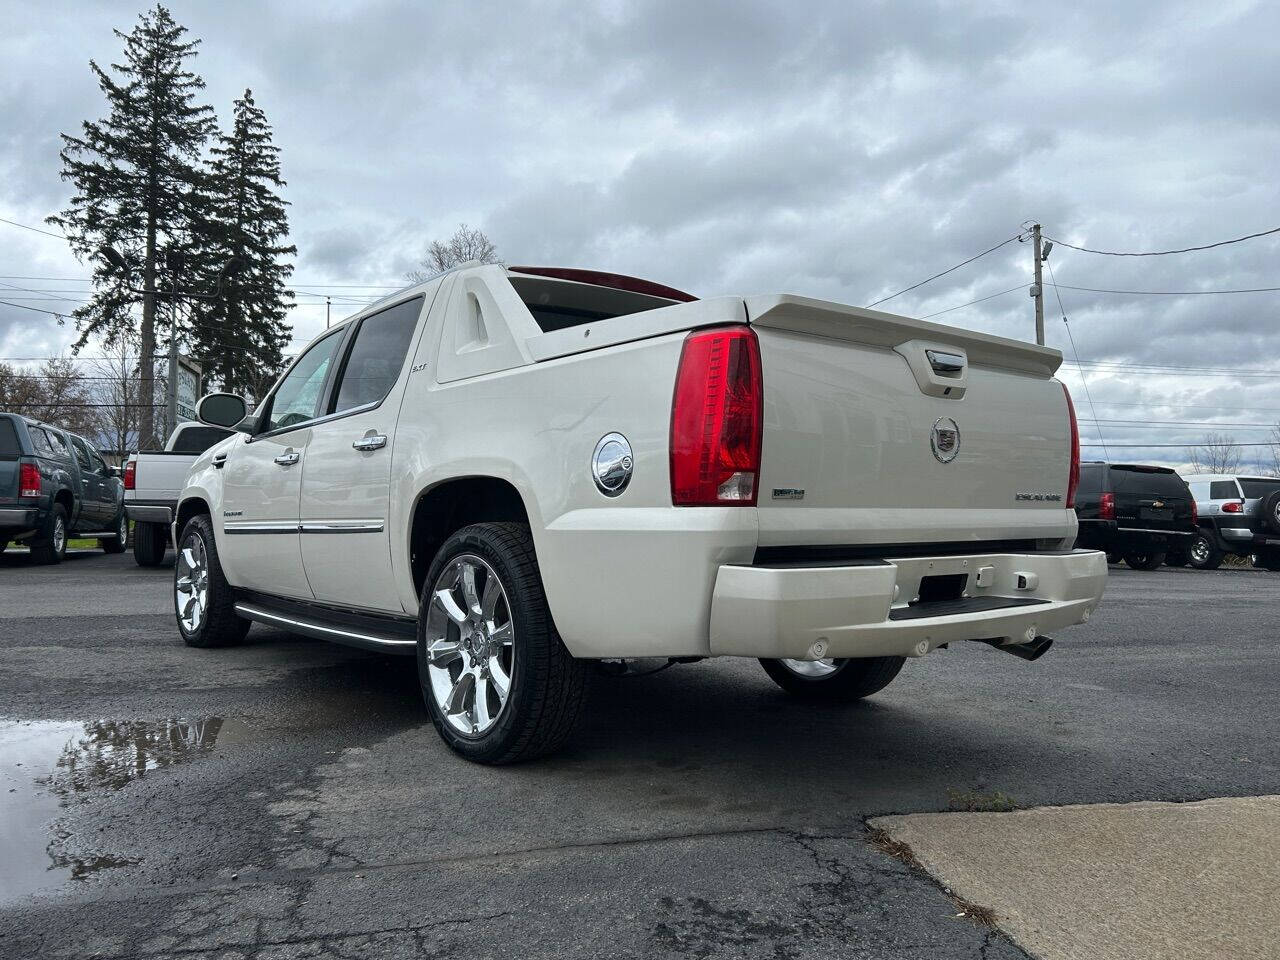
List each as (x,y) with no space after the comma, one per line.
(945,362)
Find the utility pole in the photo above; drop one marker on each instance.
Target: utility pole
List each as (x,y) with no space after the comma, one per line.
(1037,291)
(326,313)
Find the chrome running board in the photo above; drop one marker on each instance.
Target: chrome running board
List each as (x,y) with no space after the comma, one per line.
(370,637)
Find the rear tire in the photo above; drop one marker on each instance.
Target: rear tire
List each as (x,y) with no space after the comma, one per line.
(117,544)
(203,601)
(483,620)
(1203,555)
(150,540)
(51,546)
(834,679)
(1144,561)
(1114,558)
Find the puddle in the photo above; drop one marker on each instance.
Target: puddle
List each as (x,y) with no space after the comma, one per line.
(46,766)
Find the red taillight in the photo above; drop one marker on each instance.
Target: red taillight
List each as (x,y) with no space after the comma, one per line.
(1073,475)
(1233,507)
(716,419)
(130,471)
(1107,507)
(28,480)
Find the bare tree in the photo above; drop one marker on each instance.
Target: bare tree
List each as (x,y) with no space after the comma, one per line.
(117,391)
(55,392)
(466,244)
(1274,440)
(1217,453)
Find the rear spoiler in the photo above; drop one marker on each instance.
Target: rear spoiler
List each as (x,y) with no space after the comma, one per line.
(836,321)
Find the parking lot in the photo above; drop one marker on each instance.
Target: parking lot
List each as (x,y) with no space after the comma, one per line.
(289,798)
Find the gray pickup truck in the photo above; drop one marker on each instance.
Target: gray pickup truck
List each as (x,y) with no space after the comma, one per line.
(55,486)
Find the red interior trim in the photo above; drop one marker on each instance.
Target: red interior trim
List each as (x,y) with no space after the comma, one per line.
(617,281)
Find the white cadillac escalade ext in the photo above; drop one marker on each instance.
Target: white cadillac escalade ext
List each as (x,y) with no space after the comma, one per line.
(512,472)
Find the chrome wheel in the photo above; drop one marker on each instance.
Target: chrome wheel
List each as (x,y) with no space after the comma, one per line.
(59,534)
(470,646)
(813,669)
(1200,550)
(123,529)
(191,583)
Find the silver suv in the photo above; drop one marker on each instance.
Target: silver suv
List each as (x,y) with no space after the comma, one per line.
(1239,515)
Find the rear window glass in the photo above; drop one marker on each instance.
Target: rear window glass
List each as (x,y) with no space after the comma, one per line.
(1090,489)
(8,438)
(1256,489)
(1223,490)
(199,439)
(1159,483)
(376,358)
(558,304)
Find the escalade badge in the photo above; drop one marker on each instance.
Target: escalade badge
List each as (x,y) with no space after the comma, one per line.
(944,439)
(1157,504)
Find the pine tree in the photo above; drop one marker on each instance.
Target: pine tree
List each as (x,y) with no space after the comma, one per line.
(243,332)
(136,176)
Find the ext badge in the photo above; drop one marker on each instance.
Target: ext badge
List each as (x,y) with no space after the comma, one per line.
(944,439)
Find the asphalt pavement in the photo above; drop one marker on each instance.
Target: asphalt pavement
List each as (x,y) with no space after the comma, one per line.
(289,797)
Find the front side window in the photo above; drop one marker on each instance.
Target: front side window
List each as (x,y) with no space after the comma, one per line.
(59,445)
(377,356)
(82,454)
(297,399)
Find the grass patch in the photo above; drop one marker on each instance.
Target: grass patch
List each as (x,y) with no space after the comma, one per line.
(978,915)
(890,847)
(975,914)
(971,801)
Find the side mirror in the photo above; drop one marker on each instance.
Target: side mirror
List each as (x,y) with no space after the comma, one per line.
(113,471)
(221,410)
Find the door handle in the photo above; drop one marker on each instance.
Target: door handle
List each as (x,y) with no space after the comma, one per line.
(375,442)
(286,459)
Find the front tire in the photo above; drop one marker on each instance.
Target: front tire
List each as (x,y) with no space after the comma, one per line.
(202,599)
(1203,555)
(496,677)
(834,679)
(150,540)
(117,543)
(51,547)
(1145,561)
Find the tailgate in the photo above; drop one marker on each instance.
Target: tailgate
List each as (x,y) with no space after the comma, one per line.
(1150,498)
(160,475)
(884,430)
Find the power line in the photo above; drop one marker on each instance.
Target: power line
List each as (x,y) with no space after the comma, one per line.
(972,302)
(1165,253)
(945,272)
(20,306)
(1084,382)
(15,223)
(1168,293)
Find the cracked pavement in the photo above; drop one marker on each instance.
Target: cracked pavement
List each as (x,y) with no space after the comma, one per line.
(289,798)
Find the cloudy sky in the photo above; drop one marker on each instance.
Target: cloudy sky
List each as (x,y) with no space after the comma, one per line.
(840,150)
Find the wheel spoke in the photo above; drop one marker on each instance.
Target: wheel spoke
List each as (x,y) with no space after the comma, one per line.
(468,580)
(492,594)
(441,653)
(189,558)
(450,606)
(184,583)
(482,716)
(456,703)
(498,677)
(500,635)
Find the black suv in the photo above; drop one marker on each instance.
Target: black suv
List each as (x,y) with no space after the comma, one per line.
(55,486)
(1135,512)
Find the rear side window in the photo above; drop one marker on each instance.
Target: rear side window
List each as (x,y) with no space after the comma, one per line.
(59,445)
(9,439)
(377,356)
(40,442)
(199,439)
(1154,482)
(1257,489)
(556,304)
(1223,490)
